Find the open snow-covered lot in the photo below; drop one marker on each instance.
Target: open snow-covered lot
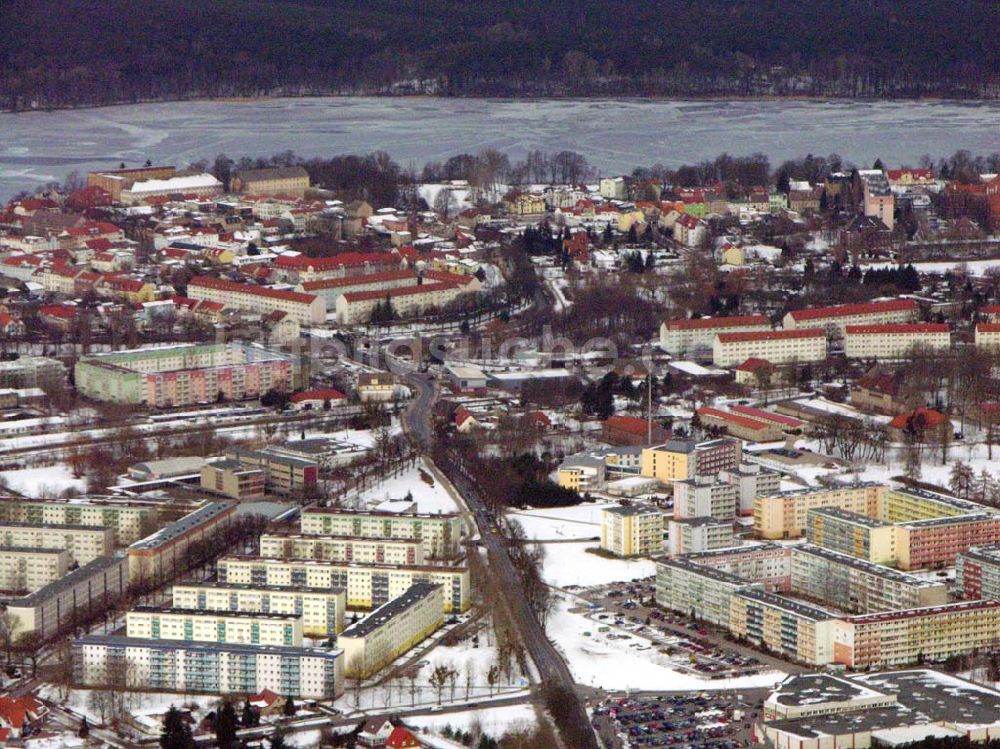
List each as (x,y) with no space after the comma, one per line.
(425,488)
(46,481)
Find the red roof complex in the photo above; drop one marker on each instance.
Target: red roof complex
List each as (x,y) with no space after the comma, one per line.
(208,282)
(761,414)
(706,323)
(772,335)
(744,421)
(848,310)
(891,328)
(931,418)
(344,259)
(630,424)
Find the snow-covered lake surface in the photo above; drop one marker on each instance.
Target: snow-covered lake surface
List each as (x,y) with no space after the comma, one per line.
(614,135)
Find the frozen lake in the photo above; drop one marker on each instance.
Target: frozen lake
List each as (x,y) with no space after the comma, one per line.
(614,135)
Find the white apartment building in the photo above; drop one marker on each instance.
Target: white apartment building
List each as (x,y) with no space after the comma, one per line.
(695,337)
(357,306)
(988,334)
(775,346)
(367,585)
(209,668)
(391,630)
(441,533)
(194,625)
(305,309)
(895,340)
(693,535)
(321,609)
(71,598)
(840,316)
(693,590)
(877,198)
(342,548)
(27,569)
(84,543)
(632,530)
(128,522)
(705,496)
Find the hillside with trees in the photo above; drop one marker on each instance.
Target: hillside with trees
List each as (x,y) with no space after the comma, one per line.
(57,53)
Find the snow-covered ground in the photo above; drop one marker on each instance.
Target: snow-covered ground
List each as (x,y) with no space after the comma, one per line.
(430,497)
(496,721)
(619,664)
(571,564)
(552,523)
(45,481)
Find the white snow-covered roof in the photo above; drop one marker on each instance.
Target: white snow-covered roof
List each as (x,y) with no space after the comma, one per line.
(176,184)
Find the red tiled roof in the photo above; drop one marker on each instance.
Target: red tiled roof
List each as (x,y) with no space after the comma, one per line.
(16,711)
(62,311)
(323,394)
(744,421)
(762,415)
(208,282)
(891,328)
(344,259)
(400,738)
(368,278)
(705,323)
(846,310)
(462,415)
(931,417)
(752,364)
(630,424)
(772,335)
(988,327)
(360,296)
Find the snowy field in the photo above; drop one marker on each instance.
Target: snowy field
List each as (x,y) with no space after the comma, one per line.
(495,721)
(619,664)
(430,497)
(556,523)
(571,564)
(47,481)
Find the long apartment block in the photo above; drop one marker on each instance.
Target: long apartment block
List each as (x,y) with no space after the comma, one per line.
(852,533)
(797,630)
(769,564)
(905,505)
(161,555)
(27,569)
(342,548)
(208,668)
(391,630)
(196,625)
(977,573)
(696,591)
(129,522)
(936,542)
(367,585)
(896,638)
(785,514)
(441,534)
(85,543)
(321,609)
(855,585)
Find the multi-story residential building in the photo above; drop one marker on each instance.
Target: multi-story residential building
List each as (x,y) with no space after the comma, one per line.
(441,534)
(697,591)
(209,668)
(691,535)
(852,533)
(357,306)
(900,505)
(333,288)
(391,630)
(894,638)
(895,340)
(376,387)
(305,309)
(751,480)
(769,564)
(199,625)
(301,268)
(695,337)
(988,334)
(687,459)
(935,542)
(632,530)
(128,521)
(876,196)
(32,372)
(795,630)
(161,555)
(321,609)
(785,514)
(283,474)
(83,542)
(185,374)
(292,181)
(977,573)
(367,585)
(583,473)
(856,585)
(705,496)
(343,548)
(71,599)
(792,346)
(24,569)
(838,317)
